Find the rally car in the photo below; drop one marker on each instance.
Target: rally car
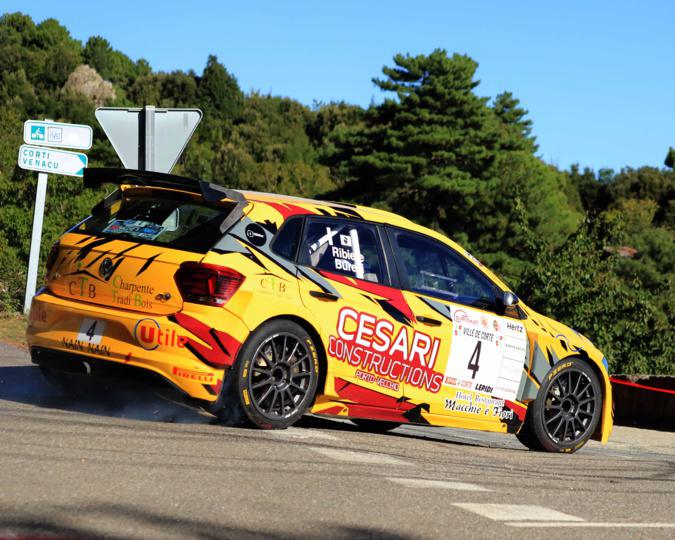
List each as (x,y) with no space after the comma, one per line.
(270,307)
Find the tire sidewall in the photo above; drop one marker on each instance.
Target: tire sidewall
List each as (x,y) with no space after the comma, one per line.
(538,424)
(245,362)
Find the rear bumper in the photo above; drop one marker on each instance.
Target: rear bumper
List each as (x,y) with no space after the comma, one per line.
(183,349)
(83,365)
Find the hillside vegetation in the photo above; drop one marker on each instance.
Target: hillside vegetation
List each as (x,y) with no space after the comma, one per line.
(592,249)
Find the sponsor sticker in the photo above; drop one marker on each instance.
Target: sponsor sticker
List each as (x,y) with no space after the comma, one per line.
(255,234)
(127,293)
(380,349)
(149,334)
(199,376)
(487,354)
(38,313)
(145,230)
(487,407)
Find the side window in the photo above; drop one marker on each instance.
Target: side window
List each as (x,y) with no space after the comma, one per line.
(344,247)
(434,269)
(288,238)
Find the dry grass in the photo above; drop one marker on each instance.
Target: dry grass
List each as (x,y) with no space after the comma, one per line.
(13,328)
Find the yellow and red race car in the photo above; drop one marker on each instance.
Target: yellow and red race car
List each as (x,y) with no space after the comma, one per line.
(277,306)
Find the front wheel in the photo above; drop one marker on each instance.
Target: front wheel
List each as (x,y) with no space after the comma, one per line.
(566,411)
(276,374)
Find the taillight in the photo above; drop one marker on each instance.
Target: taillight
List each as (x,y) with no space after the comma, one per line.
(53,255)
(207,283)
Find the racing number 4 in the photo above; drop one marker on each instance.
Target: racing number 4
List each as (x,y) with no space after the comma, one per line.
(91,332)
(473,365)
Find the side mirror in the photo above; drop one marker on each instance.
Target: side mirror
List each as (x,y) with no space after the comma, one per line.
(509,299)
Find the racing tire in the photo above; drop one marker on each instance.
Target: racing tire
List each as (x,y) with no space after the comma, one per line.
(526,434)
(275,376)
(377,426)
(566,411)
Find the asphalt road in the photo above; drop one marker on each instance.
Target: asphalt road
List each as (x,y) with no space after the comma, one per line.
(133,463)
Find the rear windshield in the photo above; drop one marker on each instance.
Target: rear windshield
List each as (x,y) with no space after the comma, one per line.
(169,220)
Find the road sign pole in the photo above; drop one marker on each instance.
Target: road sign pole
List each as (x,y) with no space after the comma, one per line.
(36,239)
(149,139)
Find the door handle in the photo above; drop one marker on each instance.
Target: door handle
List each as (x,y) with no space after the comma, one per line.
(324,295)
(429,321)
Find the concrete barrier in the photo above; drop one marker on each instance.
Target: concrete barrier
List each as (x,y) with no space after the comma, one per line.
(646,401)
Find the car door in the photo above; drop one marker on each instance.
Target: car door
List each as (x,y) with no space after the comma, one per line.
(345,283)
(482,351)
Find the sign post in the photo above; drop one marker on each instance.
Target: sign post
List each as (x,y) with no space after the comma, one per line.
(36,239)
(48,160)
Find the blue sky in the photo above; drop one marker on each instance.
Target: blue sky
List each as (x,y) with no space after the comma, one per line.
(598,77)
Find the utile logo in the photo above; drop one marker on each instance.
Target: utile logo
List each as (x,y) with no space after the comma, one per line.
(150,335)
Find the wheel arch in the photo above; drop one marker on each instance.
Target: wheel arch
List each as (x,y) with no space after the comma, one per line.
(604,429)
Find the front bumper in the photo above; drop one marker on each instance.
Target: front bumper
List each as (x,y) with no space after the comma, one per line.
(64,329)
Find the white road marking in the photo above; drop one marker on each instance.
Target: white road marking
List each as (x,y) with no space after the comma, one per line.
(517,512)
(558,524)
(358,457)
(297,433)
(436,484)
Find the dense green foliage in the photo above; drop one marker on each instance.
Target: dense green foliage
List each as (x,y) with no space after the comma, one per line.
(594,250)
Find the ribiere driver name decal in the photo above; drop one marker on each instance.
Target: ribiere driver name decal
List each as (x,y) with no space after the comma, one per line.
(374,345)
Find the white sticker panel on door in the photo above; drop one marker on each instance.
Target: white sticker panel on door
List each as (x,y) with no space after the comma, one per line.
(91,331)
(487,353)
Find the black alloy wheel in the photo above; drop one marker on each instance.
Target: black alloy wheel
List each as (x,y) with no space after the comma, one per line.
(280,375)
(567,409)
(277,373)
(570,407)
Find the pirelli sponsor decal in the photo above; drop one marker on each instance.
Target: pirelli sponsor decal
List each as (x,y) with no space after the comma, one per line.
(199,376)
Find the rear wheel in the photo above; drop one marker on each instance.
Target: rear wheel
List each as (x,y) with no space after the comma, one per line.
(275,377)
(378,426)
(566,411)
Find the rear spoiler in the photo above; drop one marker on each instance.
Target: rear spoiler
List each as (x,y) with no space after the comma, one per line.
(212,193)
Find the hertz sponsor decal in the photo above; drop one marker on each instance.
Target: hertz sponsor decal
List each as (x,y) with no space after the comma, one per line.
(199,376)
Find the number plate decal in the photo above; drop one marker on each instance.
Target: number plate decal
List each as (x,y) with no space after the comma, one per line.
(487,353)
(91,331)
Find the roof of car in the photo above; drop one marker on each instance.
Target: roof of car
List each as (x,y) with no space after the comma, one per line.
(365,212)
(286,204)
